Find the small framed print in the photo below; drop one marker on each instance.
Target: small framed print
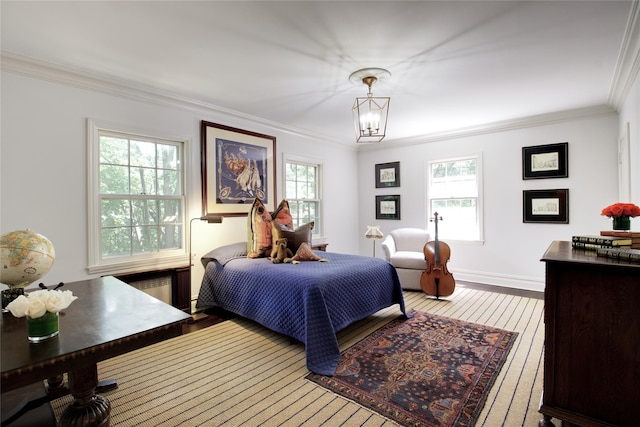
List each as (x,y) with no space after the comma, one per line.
(545,161)
(388,207)
(388,175)
(546,206)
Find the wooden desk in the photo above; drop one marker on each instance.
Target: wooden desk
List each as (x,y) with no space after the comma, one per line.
(108,319)
(592,339)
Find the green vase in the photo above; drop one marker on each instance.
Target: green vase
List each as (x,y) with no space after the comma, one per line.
(622,222)
(43,328)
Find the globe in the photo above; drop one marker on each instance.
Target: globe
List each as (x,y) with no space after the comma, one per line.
(25,257)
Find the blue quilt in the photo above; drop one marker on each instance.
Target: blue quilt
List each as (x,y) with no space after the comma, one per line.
(310,301)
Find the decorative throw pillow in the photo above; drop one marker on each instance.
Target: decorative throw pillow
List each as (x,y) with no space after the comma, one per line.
(304,253)
(226,253)
(294,237)
(258,231)
(282,215)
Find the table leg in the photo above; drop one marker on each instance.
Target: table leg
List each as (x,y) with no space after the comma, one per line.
(546,422)
(88,408)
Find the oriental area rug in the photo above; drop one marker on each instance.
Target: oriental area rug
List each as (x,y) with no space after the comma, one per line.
(427,370)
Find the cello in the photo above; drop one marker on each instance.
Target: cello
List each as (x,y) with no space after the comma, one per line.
(436,280)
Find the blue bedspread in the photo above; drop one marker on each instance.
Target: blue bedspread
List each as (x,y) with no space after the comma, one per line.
(310,301)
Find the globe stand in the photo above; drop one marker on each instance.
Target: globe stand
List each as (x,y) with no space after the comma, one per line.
(9,295)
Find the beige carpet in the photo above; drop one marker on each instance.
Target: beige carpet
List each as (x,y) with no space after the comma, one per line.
(238,373)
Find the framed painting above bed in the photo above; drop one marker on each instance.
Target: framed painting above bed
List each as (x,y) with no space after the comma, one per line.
(237,166)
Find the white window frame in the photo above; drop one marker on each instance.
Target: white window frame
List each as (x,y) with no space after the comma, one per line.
(318,229)
(96,264)
(479,201)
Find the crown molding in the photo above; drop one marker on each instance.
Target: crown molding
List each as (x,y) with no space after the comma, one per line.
(495,127)
(628,64)
(109,85)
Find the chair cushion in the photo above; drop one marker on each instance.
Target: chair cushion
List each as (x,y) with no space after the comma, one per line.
(409,259)
(410,239)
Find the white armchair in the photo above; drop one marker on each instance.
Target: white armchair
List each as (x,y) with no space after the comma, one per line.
(404,249)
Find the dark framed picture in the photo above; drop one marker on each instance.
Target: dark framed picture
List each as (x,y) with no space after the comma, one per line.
(547,206)
(237,166)
(388,207)
(545,161)
(388,175)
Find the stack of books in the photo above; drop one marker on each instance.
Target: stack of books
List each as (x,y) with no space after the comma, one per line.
(633,235)
(623,245)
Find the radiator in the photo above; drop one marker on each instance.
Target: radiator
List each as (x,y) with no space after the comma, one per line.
(159,287)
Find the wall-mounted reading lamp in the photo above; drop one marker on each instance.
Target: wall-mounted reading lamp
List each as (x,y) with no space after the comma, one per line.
(210,220)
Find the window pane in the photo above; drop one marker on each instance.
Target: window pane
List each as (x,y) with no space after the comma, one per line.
(453,192)
(140,169)
(290,171)
(301,191)
(438,170)
(459,218)
(114,151)
(143,181)
(115,212)
(170,212)
(171,237)
(301,172)
(168,181)
(311,190)
(114,179)
(116,241)
(145,239)
(167,156)
(144,212)
(290,190)
(143,154)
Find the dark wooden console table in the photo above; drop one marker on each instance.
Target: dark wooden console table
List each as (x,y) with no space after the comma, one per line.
(592,339)
(108,319)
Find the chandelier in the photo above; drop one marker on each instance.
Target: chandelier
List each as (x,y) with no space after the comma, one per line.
(370,114)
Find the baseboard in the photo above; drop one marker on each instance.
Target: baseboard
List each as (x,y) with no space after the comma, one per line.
(505,280)
(501,289)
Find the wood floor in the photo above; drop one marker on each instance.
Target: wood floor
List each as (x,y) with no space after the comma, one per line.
(238,373)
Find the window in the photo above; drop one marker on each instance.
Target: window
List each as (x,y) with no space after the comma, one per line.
(454,192)
(302,191)
(137,201)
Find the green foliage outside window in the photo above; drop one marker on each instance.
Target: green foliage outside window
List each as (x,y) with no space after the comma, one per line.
(141,195)
(301,191)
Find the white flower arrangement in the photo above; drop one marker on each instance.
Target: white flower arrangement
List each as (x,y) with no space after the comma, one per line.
(35,304)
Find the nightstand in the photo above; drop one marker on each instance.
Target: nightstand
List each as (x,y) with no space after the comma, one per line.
(320,247)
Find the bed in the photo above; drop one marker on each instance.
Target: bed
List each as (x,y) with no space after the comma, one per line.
(309,302)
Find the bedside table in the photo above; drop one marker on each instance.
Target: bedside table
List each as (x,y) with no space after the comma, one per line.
(319,247)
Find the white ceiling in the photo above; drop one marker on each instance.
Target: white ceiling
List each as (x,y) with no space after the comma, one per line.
(453,64)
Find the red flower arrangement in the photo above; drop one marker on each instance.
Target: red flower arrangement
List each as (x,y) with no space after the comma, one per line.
(621,209)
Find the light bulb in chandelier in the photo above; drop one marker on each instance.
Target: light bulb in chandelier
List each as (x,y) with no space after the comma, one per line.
(370,114)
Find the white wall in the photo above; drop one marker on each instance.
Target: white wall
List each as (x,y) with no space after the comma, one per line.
(43,178)
(511,252)
(43,168)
